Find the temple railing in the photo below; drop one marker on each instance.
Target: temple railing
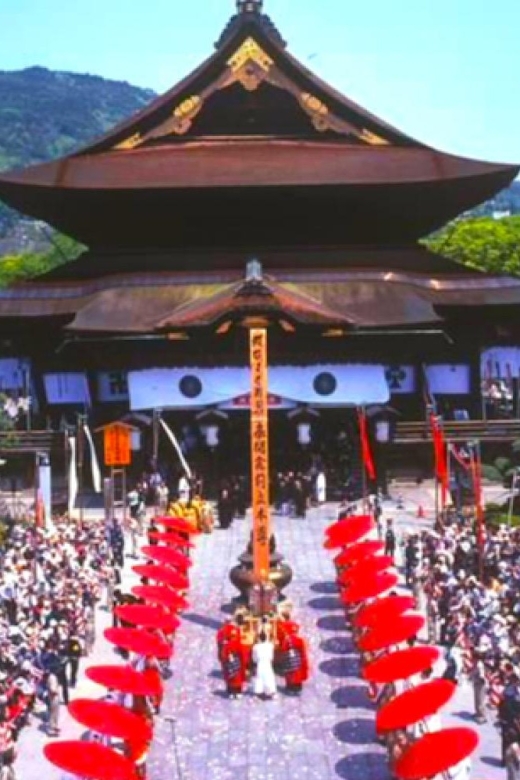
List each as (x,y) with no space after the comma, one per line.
(417,432)
(20,442)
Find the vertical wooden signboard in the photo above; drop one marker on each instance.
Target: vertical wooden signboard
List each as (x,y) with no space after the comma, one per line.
(117,441)
(260,453)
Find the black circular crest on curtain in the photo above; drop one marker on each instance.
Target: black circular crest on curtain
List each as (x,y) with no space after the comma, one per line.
(325,383)
(190,386)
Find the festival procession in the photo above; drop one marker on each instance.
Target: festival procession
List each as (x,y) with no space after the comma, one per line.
(259,419)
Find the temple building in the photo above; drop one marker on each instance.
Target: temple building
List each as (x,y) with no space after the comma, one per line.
(254,189)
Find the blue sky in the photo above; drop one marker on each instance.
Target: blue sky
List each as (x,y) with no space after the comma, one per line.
(444,71)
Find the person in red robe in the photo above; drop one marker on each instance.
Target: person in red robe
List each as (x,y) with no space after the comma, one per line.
(233,657)
(295,659)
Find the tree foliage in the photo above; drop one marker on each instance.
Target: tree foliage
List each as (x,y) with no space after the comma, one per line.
(17,268)
(486,244)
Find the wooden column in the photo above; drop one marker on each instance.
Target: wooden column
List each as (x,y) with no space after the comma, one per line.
(260,453)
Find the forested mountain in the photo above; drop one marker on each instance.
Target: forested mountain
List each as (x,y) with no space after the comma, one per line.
(45,114)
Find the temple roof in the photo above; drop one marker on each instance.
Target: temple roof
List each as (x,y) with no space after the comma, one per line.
(252,133)
(363,297)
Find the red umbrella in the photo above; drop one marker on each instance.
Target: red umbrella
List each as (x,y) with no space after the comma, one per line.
(397,630)
(123,679)
(370,587)
(158,594)
(170,538)
(89,759)
(414,705)
(338,526)
(139,641)
(167,555)
(110,719)
(148,617)
(436,753)
(366,567)
(370,614)
(401,665)
(349,532)
(358,552)
(177,524)
(162,574)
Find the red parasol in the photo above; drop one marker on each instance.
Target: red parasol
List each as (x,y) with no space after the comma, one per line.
(110,719)
(139,641)
(349,531)
(414,705)
(158,594)
(123,679)
(436,753)
(338,526)
(90,760)
(401,665)
(177,524)
(367,567)
(171,538)
(370,587)
(167,555)
(358,552)
(148,617)
(396,630)
(162,574)
(370,614)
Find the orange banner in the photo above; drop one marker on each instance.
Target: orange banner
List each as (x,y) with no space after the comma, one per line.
(260,453)
(117,440)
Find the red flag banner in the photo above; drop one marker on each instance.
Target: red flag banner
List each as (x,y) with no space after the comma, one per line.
(439,448)
(366,451)
(476,470)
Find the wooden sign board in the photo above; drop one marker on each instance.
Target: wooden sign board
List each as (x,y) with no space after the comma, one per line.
(117,445)
(260,453)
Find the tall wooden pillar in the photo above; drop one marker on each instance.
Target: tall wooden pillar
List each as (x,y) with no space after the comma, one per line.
(260,453)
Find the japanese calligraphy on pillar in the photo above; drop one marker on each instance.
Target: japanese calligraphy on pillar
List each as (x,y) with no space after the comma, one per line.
(260,452)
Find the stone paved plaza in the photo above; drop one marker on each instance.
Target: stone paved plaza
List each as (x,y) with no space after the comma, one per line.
(327,733)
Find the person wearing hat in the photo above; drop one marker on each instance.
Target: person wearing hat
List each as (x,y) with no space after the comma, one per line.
(294,659)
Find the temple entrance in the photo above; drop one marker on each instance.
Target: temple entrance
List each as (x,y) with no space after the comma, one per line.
(303,443)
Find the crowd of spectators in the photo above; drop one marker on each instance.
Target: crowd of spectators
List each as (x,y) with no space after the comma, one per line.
(50,581)
(471,595)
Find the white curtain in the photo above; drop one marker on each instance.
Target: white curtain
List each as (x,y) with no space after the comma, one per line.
(170,434)
(323,385)
(94,465)
(67,388)
(500,363)
(448,379)
(73,475)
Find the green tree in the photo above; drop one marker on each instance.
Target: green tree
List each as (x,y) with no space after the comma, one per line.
(486,244)
(17,268)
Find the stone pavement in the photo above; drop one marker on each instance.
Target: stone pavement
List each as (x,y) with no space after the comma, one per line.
(326,734)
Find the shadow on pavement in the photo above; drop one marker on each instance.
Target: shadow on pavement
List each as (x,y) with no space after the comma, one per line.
(358,731)
(337,645)
(464,715)
(352,696)
(340,667)
(491,761)
(325,603)
(324,587)
(202,620)
(363,765)
(332,623)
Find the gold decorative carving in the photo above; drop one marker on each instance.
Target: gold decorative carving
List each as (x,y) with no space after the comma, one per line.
(250,51)
(185,113)
(373,139)
(129,143)
(317,110)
